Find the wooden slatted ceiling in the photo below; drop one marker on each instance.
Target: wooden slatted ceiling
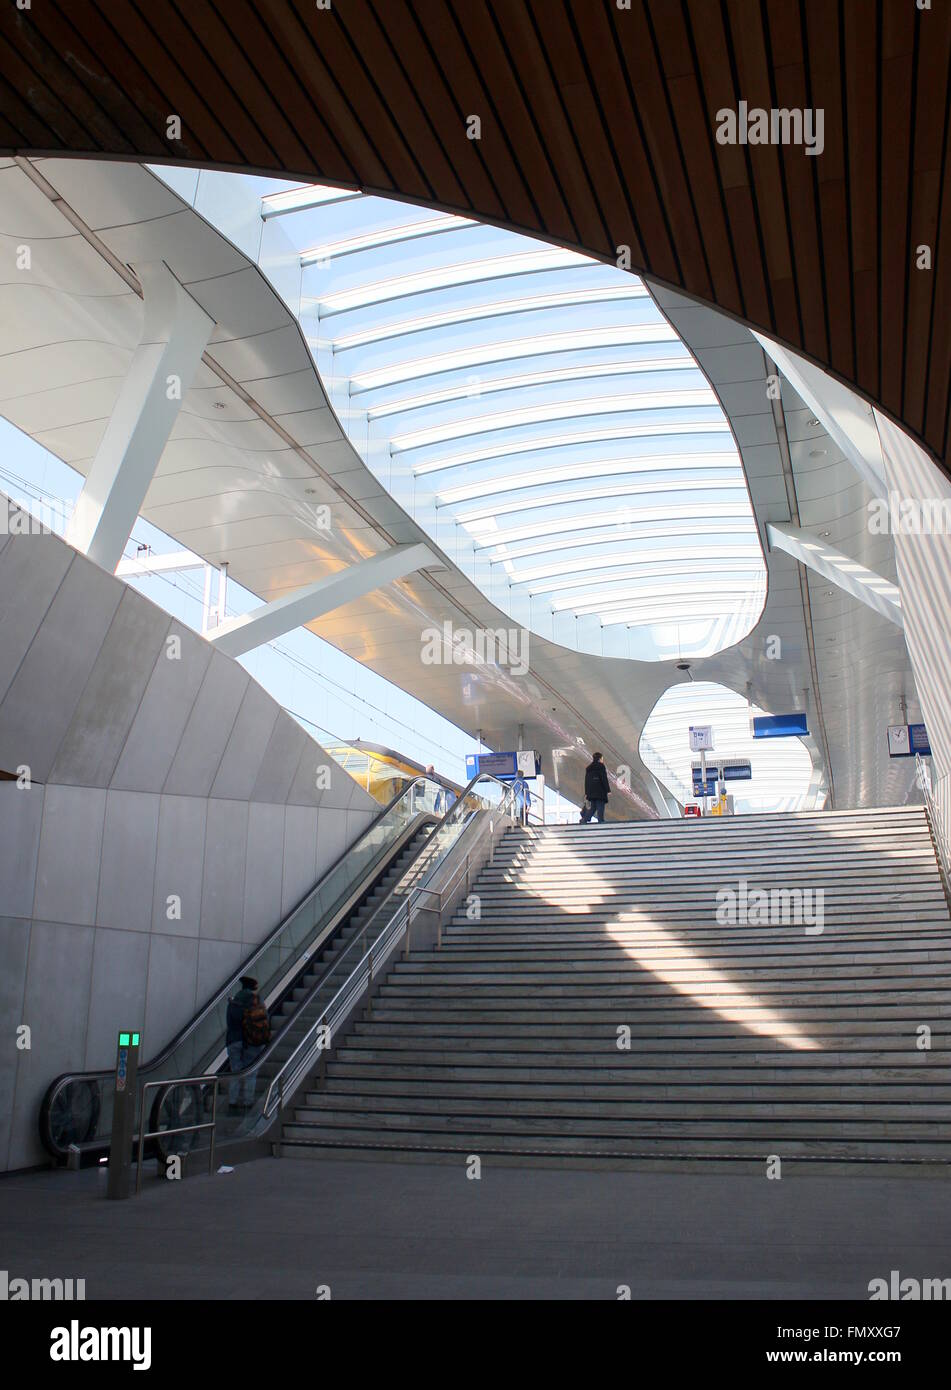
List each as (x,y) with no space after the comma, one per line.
(598,131)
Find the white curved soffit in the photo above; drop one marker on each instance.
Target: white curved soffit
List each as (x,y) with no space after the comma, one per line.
(537,415)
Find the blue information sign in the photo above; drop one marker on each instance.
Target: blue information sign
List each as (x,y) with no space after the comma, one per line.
(779,726)
(918,739)
(733,769)
(501,765)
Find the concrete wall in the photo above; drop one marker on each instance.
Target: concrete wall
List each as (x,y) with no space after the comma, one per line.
(158,769)
(924,574)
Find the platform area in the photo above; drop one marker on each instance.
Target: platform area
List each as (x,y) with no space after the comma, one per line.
(390,1230)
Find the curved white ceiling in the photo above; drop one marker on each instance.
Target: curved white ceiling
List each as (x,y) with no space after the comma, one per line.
(256,449)
(539,417)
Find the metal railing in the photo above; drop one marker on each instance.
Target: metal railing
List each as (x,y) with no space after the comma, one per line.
(440,894)
(346,979)
(938,811)
(200,1045)
(318,1037)
(210,1125)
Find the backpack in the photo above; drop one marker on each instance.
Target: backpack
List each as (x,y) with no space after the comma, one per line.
(255,1024)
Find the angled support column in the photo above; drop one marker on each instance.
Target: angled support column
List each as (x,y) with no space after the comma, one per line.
(239,635)
(174,335)
(862,583)
(843,415)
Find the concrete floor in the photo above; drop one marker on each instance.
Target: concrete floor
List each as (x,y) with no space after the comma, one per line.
(279,1228)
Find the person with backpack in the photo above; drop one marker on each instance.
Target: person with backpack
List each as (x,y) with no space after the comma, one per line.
(248,1033)
(596,790)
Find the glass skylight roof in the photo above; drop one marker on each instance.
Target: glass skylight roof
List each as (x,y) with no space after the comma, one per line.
(538,416)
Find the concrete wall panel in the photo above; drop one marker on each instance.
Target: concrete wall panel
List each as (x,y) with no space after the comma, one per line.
(217,962)
(179,864)
(158,727)
(171,991)
(264,871)
(56,1006)
(14,949)
(208,728)
(31,570)
(120,966)
(300,855)
(127,877)
(67,871)
(331,837)
(222,891)
(21,814)
(113,693)
(39,704)
(281,760)
(245,750)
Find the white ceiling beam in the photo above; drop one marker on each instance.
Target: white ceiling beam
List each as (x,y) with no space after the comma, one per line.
(238,635)
(302,199)
(847,574)
(174,334)
(844,416)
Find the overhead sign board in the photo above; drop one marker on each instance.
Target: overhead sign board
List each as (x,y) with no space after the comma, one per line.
(701,738)
(779,726)
(729,769)
(505,766)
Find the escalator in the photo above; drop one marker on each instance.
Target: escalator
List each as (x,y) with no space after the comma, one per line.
(294,1013)
(342,908)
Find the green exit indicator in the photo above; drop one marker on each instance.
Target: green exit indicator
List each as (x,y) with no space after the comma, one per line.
(124,1040)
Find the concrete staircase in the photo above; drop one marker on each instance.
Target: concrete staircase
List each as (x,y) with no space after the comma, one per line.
(746,1038)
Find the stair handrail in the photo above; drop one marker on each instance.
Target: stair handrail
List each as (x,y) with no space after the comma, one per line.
(938,813)
(315,1039)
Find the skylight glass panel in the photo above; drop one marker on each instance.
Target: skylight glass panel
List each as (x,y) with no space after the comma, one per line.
(535,405)
(508,349)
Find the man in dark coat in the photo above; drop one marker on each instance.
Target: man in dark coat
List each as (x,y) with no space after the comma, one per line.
(596,789)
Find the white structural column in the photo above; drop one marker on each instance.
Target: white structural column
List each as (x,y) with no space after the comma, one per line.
(857,580)
(174,335)
(242,634)
(844,416)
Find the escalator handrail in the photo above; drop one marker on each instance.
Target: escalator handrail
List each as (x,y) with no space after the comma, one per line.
(412,869)
(101,1073)
(280,1085)
(278,1033)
